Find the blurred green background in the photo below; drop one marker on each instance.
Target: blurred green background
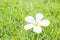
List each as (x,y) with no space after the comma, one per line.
(12,19)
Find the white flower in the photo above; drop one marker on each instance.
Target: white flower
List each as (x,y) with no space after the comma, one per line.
(36,24)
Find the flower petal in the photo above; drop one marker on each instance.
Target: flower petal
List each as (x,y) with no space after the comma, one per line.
(29,19)
(45,22)
(37,29)
(28,26)
(39,16)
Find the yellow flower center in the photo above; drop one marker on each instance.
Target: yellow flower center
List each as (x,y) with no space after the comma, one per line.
(36,24)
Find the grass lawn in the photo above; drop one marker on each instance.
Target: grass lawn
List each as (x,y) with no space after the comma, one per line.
(12,19)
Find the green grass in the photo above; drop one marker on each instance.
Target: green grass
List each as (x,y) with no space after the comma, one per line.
(12,19)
